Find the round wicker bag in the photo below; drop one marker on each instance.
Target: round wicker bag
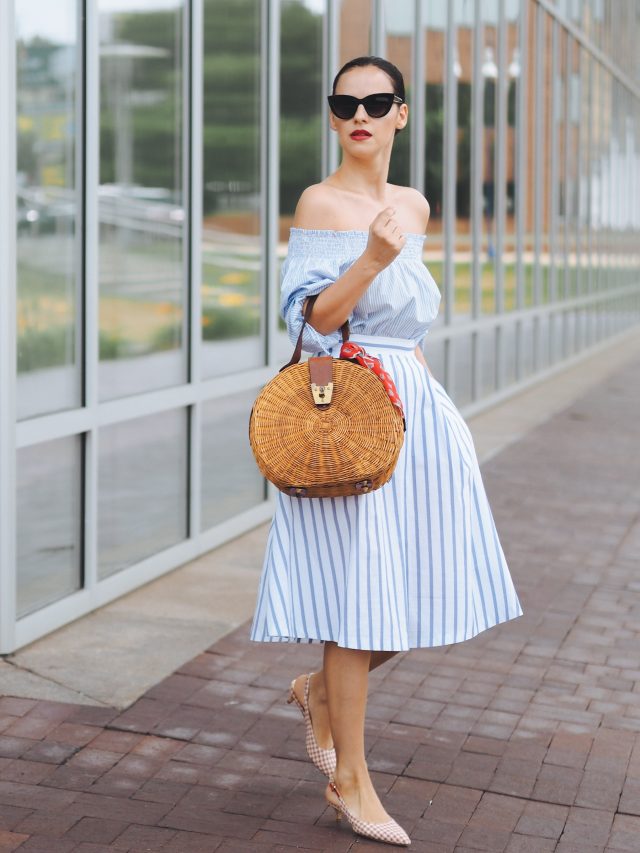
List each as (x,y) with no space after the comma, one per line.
(326,427)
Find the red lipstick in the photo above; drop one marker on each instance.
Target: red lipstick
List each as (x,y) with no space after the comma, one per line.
(360,134)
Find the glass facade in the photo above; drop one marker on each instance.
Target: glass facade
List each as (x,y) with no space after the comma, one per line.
(142,284)
(151,157)
(48,202)
(49,513)
(233,334)
(142,489)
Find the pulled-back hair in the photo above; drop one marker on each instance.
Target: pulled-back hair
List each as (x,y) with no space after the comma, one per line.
(392,72)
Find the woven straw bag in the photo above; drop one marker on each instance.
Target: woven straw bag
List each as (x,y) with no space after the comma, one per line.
(328,427)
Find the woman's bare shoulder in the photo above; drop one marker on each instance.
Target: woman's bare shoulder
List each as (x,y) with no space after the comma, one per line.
(317,208)
(415,203)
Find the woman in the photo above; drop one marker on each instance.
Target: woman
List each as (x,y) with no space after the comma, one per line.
(418,562)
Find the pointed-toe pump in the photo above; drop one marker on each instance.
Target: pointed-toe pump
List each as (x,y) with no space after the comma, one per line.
(324,759)
(389,831)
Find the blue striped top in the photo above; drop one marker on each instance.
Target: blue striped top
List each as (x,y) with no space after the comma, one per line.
(402,301)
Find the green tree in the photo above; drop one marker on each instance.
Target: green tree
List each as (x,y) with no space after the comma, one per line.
(434,125)
(301,93)
(231,92)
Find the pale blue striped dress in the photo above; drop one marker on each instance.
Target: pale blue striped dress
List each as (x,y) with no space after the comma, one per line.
(417,562)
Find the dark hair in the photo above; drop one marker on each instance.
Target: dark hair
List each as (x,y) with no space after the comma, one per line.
(392,72)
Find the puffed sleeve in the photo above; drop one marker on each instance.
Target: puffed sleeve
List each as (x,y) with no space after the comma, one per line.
(305,274)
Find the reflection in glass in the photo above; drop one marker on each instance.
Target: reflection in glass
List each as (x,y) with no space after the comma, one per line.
(489,82)
(142,489)
(527,332)
(488,98)
(532,117)
(302,92)
(141,205)
(605,201)
(574,155)
(544,342)
(399,21)
(434,17)
(47,205)
(584,182)
(545,53)
(513,73)
(434,355)
(434,35)
(585,190)
(462,77)
(301,99)
(462,391)
(48,513)
(561,214)
(487,369)
(355,29)
(509,331)
(594,198)
(231,227)
(231,480)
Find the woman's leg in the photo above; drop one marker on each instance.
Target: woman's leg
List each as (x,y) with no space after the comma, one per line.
(380,657)
(346,677)
(318,708)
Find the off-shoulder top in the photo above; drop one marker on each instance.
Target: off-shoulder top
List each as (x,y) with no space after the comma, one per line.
(401,302)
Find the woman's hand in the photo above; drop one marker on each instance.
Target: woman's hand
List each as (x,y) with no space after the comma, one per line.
(385,239)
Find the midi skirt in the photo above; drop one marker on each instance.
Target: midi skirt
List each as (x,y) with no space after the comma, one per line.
(416,563)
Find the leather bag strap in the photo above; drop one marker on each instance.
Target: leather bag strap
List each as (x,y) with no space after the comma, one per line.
(297,353)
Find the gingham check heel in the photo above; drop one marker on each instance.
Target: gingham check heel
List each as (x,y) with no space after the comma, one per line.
(389,831)
(324,759)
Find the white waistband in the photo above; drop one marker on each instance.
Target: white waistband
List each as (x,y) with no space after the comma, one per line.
(374,342)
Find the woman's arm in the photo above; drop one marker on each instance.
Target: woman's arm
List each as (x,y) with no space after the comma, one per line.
(421,358)
(336,302)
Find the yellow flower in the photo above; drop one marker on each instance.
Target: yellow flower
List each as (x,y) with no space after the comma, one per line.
(234,278)
(232,300)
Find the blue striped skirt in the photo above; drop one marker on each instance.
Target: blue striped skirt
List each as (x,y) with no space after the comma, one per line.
(416,563)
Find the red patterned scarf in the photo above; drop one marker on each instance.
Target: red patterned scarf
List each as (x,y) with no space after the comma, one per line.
(354,352)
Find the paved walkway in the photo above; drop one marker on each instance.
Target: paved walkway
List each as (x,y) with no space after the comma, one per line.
(154,629)
(525,738)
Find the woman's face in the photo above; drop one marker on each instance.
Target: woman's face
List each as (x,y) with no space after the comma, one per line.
(363,136)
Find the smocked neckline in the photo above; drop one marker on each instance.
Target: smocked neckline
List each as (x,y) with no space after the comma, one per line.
(348,232)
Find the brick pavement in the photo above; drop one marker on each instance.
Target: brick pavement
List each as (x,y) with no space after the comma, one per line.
(524,739)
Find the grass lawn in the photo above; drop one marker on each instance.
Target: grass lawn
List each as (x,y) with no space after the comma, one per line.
(230,298)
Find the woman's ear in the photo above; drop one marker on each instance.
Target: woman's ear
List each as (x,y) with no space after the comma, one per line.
(403,116)
(332,121)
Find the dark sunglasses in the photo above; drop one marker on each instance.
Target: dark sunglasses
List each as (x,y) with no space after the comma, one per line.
(378,105)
